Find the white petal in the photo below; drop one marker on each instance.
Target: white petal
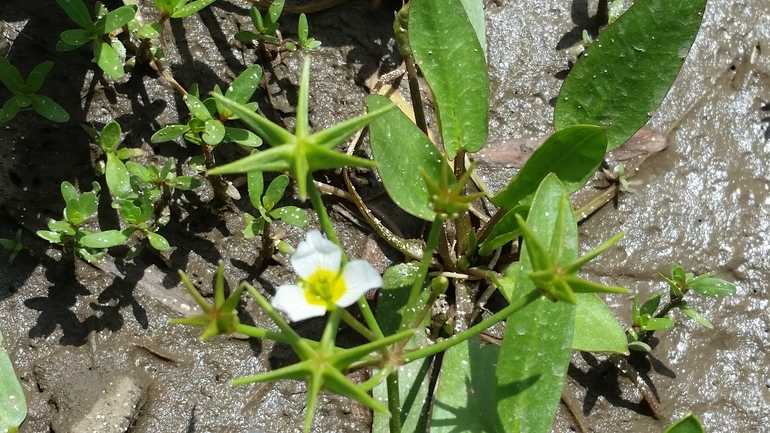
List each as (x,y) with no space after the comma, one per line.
(291,299)
(316,252)
(360,277)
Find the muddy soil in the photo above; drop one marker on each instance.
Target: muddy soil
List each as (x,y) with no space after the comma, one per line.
(96,352)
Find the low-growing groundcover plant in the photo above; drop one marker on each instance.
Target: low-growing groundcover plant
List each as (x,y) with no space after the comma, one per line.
(550,311)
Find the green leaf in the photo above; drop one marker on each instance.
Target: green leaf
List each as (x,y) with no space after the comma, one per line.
(698,317)
(709,286)
(69,193)
(37,76)
(275,191)
(401,150)
(462,402)
(273,159)
(114,20)
(139,171)
(242,137)
(51,236)
(126,153)
(651,306)
(197,108)
(392,314)
(13,406)
(49,109)
(475,11)
(157,241)
(244,86)
(627,71)
(271,132)
(254,226)
(506,230)
(118,179)
(214,132)
(191,8)
(596,328)
(108,59)
(448,52)
(687,424)
(109,139)
(10,76)
(10,109)
(105,239)
(573,154)
(150,31)
(185,183)
(655,323)
(291,215)
(536,349)
(169,133)
(302,28)
(256,187)
(77,11)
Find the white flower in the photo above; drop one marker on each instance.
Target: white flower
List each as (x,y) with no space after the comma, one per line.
(322,285)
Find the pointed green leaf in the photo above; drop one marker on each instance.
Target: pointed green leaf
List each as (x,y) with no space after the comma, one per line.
(13,406)
(536,349)
(140,171)
(244,86)
(169,133)
(272,133)
(77,11)
(49,109)
(114,20)
(448,52)
(273,159)
(331,137)
(37,76)
(185,183)
(506,230)
(651,306)
(256,187)
(687,424)
(596,328)
(462,402)
(655,323)
(191,8)
(625,74)
(197,108)
(10,109)
(107,59)
(401,151)
(10,76)
(573,154)
(698,317)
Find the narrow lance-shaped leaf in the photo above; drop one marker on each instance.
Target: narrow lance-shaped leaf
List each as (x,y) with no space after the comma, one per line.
(447,50)
(625,74)
(537,345)
(37,76)
(191,8)
(573,154)
(13,406)
(78,12)
(49,109)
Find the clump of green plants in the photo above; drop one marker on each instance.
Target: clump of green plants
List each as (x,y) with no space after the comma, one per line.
(25,93)
(550,309)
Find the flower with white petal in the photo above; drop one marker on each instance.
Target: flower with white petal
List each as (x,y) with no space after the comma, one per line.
(322,284)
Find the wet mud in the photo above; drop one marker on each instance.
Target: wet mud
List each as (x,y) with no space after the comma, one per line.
(85,338)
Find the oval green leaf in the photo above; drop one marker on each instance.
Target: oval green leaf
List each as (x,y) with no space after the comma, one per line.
(157,241)
(191,8)
(214,132)
(448,52)
(573,154)
(117,176)
(169,133)
(114,20)
(625,74)
(401,150)
(75,37)
(108,59)
(77,11)
(687,424)
(105,239)
(291,215)
(13,405)
(244,86)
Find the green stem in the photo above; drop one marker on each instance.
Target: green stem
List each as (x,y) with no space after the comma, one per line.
(356,325)
(470,332)
(427,256)
(330,331)
(371,321)
(394,403)
(255,332)
(323,216)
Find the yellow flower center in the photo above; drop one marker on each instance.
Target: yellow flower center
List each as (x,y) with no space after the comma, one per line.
(324,288)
